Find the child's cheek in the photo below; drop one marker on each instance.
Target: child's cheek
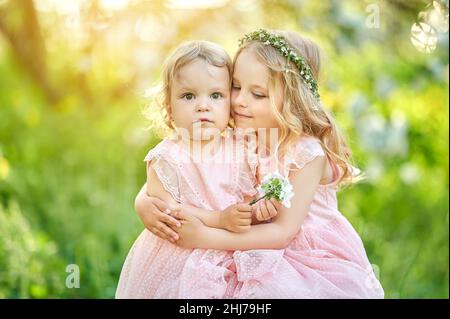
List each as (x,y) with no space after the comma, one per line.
(224,115)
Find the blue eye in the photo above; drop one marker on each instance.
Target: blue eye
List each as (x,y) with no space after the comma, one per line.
(216,95)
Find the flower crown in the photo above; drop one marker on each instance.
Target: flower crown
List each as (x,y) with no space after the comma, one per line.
(279,43)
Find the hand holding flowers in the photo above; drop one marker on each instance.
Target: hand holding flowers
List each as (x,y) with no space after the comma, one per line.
(275,186)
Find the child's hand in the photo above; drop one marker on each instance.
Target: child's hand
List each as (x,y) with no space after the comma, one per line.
(236,218)
(266,209)
(155,214)
(191,230)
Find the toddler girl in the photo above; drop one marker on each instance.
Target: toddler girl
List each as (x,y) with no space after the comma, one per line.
(202,169)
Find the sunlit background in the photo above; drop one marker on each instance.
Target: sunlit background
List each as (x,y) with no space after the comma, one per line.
(73,83)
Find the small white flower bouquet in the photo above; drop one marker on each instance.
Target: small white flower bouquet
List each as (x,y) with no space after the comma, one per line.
(276,186)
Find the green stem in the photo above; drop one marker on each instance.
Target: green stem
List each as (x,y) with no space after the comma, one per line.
(257,200)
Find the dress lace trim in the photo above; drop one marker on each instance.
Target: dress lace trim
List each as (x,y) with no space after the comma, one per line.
(305,152)
(165,171)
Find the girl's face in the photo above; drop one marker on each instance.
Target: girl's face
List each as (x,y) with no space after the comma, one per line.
(250,103)
(200,99)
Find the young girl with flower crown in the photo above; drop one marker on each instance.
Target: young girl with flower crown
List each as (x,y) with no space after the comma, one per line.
(309,250)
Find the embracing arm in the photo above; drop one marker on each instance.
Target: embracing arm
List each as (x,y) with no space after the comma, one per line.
(234,218)
(286,224)
(209,218)
(157,193)
(155,203)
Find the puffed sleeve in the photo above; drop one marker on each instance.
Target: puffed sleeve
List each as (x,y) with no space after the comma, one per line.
(306,150)
(158,158)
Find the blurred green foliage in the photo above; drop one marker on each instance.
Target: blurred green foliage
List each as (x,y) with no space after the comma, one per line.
(72,138)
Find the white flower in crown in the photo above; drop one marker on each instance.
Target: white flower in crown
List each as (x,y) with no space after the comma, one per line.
(276,186)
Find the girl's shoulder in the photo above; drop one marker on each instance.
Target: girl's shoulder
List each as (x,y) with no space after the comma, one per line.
(166,149)
(304,150)
(309,142)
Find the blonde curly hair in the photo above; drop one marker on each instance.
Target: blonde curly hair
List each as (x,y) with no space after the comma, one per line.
(301,113)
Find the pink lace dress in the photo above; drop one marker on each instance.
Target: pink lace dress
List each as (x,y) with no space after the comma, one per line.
(156,268)
(326,259)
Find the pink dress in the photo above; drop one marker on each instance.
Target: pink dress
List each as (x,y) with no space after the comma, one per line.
(326,259)
(156,268)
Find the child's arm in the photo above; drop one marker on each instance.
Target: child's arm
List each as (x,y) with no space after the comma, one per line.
(209,218)
(234,218)
(275,235)
(155,215)
(158,223)
(157,189)
(154,212)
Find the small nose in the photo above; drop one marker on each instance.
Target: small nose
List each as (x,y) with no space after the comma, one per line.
(202,106)
(239,100)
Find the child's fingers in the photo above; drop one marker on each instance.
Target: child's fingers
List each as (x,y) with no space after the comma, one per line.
(244,221)
(258,213)
(169,220)
(166,230)
(180,215)
(160,234)
(244,207)
(161,205)
(244,215)
(272,209)
(275,203)
(176,207)
(264,211)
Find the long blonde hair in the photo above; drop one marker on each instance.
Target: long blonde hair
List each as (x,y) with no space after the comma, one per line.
(301,113)
(182,55)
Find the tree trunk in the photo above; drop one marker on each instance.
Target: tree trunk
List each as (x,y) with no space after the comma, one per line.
(20,26)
